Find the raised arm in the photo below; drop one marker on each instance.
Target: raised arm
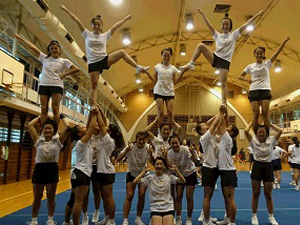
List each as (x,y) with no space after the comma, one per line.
(101,123)
(177,128)
(278,131)
(215,123)
(181,178)
(119,24)
(153,79)
(75,18)
(141,175)
(211,120)
(242,77)
(35,50)
(208,24)
(279,50)
(148,129)
(103,116)
(65,133)
(244,26)
(33,133)
(91,128)
(122,154)
(247,132)
(72,71)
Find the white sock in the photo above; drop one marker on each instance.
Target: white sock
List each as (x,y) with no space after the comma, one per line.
(97,211)
(254,214)
(111,220)
(125,219)
(271,215)
(138,218)
(50,218)
(34,219)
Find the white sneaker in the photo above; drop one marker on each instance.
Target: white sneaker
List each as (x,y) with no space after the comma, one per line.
(231,223)
(209,222)
(223,222)
(201,218)
(95,218)
(125,222)
(103,222)
(293,182)
(254,220)
(272,221)
(188,66)
(51,222)
(274,186)
(297,188)
(140,69)
(188,222)
(138,222)
(32,222)
(85,220)
(178,222)
(278,186)
(110,223)
(70,223)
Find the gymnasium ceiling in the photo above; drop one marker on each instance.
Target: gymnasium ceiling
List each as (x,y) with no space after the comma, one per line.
(158,23)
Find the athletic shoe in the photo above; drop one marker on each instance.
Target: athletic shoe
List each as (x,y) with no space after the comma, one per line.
(223,222)
(125,222)
(103,222)
(254,220)
(278,186)
(32,222)
(51,222)
(140,69)
(274,186)
(201,218)
(110,223)
(188,222)
(95,218)
(70,223)
(293,183)
(178,222)
(85,220)
(188,66)
(272,221)
(209,222)
(138,222)
(297,188)
(231,223)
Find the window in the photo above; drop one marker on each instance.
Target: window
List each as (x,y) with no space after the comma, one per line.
(71,104)
(15,135)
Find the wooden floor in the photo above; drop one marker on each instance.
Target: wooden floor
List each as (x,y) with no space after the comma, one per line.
(19,195)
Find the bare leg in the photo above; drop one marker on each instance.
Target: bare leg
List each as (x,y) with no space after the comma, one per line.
(51,190)
(107,195)
(157,220)
(160,109)
(223,76)
(141,201)
(38,190)
(170,111)
(255,195)
(268,186)
(208,192)
(168,220)
(255,112)
(205,50)
(80,195)
(228,192)
(179,195)
(44,107)
(265,112)
(130,187)
(56,98)
(94,79)
(190,199)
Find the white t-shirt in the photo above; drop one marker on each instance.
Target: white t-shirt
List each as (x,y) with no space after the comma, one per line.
(225,44)
(225,158)
(158,143)
(106,147)
(210,150)
(51,70)
(277,152)
(137,159)
(95,45)
(47,152)
(260,75)
(290,148)
(84,157)
(262,152)
(94,144)
(160,197)
(165,84)
(182,160)
(250,150)
(295,156)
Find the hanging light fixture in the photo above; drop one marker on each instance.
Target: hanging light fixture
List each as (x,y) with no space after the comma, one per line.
(277,66)
(250,27)
(219,83)
(244,91)
(138,78)
(217,71)
(182,49)
(141,89)
(126,37)
(189,22)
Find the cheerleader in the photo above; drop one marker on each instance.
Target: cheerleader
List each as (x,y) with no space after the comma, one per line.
(81,175)
(159,186)
(51,82)
(184,159)
(137,155)
(260,87)
(295,162)
(290,148)
(277,155)
(262,170)
(225,45)
(165,76)
(48,145)
(97,57)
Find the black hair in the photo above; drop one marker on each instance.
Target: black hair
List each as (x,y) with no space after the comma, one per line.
(261,48)
(261,126)
(52,123)
(98,17)
(140,133)
(201,148)
(234,147)
(167,49)
(296,141)
(53,42)
(165,124)
(74,133)
(235,131)
(173,136)
(116,135)
(160,158)
(198,129)
(230,20)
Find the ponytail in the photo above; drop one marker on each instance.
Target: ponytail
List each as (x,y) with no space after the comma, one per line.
(116,135)
(98,17)
(227,18)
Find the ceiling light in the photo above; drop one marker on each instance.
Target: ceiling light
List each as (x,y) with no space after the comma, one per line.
(182,49)
(277,66)
(219,83)
(126,37)
(141,89)
(250,27)
(116,2)
(138,79)
(244,91)
(217,71)
(189,22)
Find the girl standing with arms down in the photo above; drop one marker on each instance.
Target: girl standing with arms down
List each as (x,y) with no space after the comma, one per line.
(51,82)
(48,146)
(262,170)
(277,155)
(159,186)
(95,44)
(225,45)
(260,87)
(295,162)
(165,76)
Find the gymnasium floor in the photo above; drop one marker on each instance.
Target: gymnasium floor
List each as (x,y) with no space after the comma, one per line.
(286,204)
